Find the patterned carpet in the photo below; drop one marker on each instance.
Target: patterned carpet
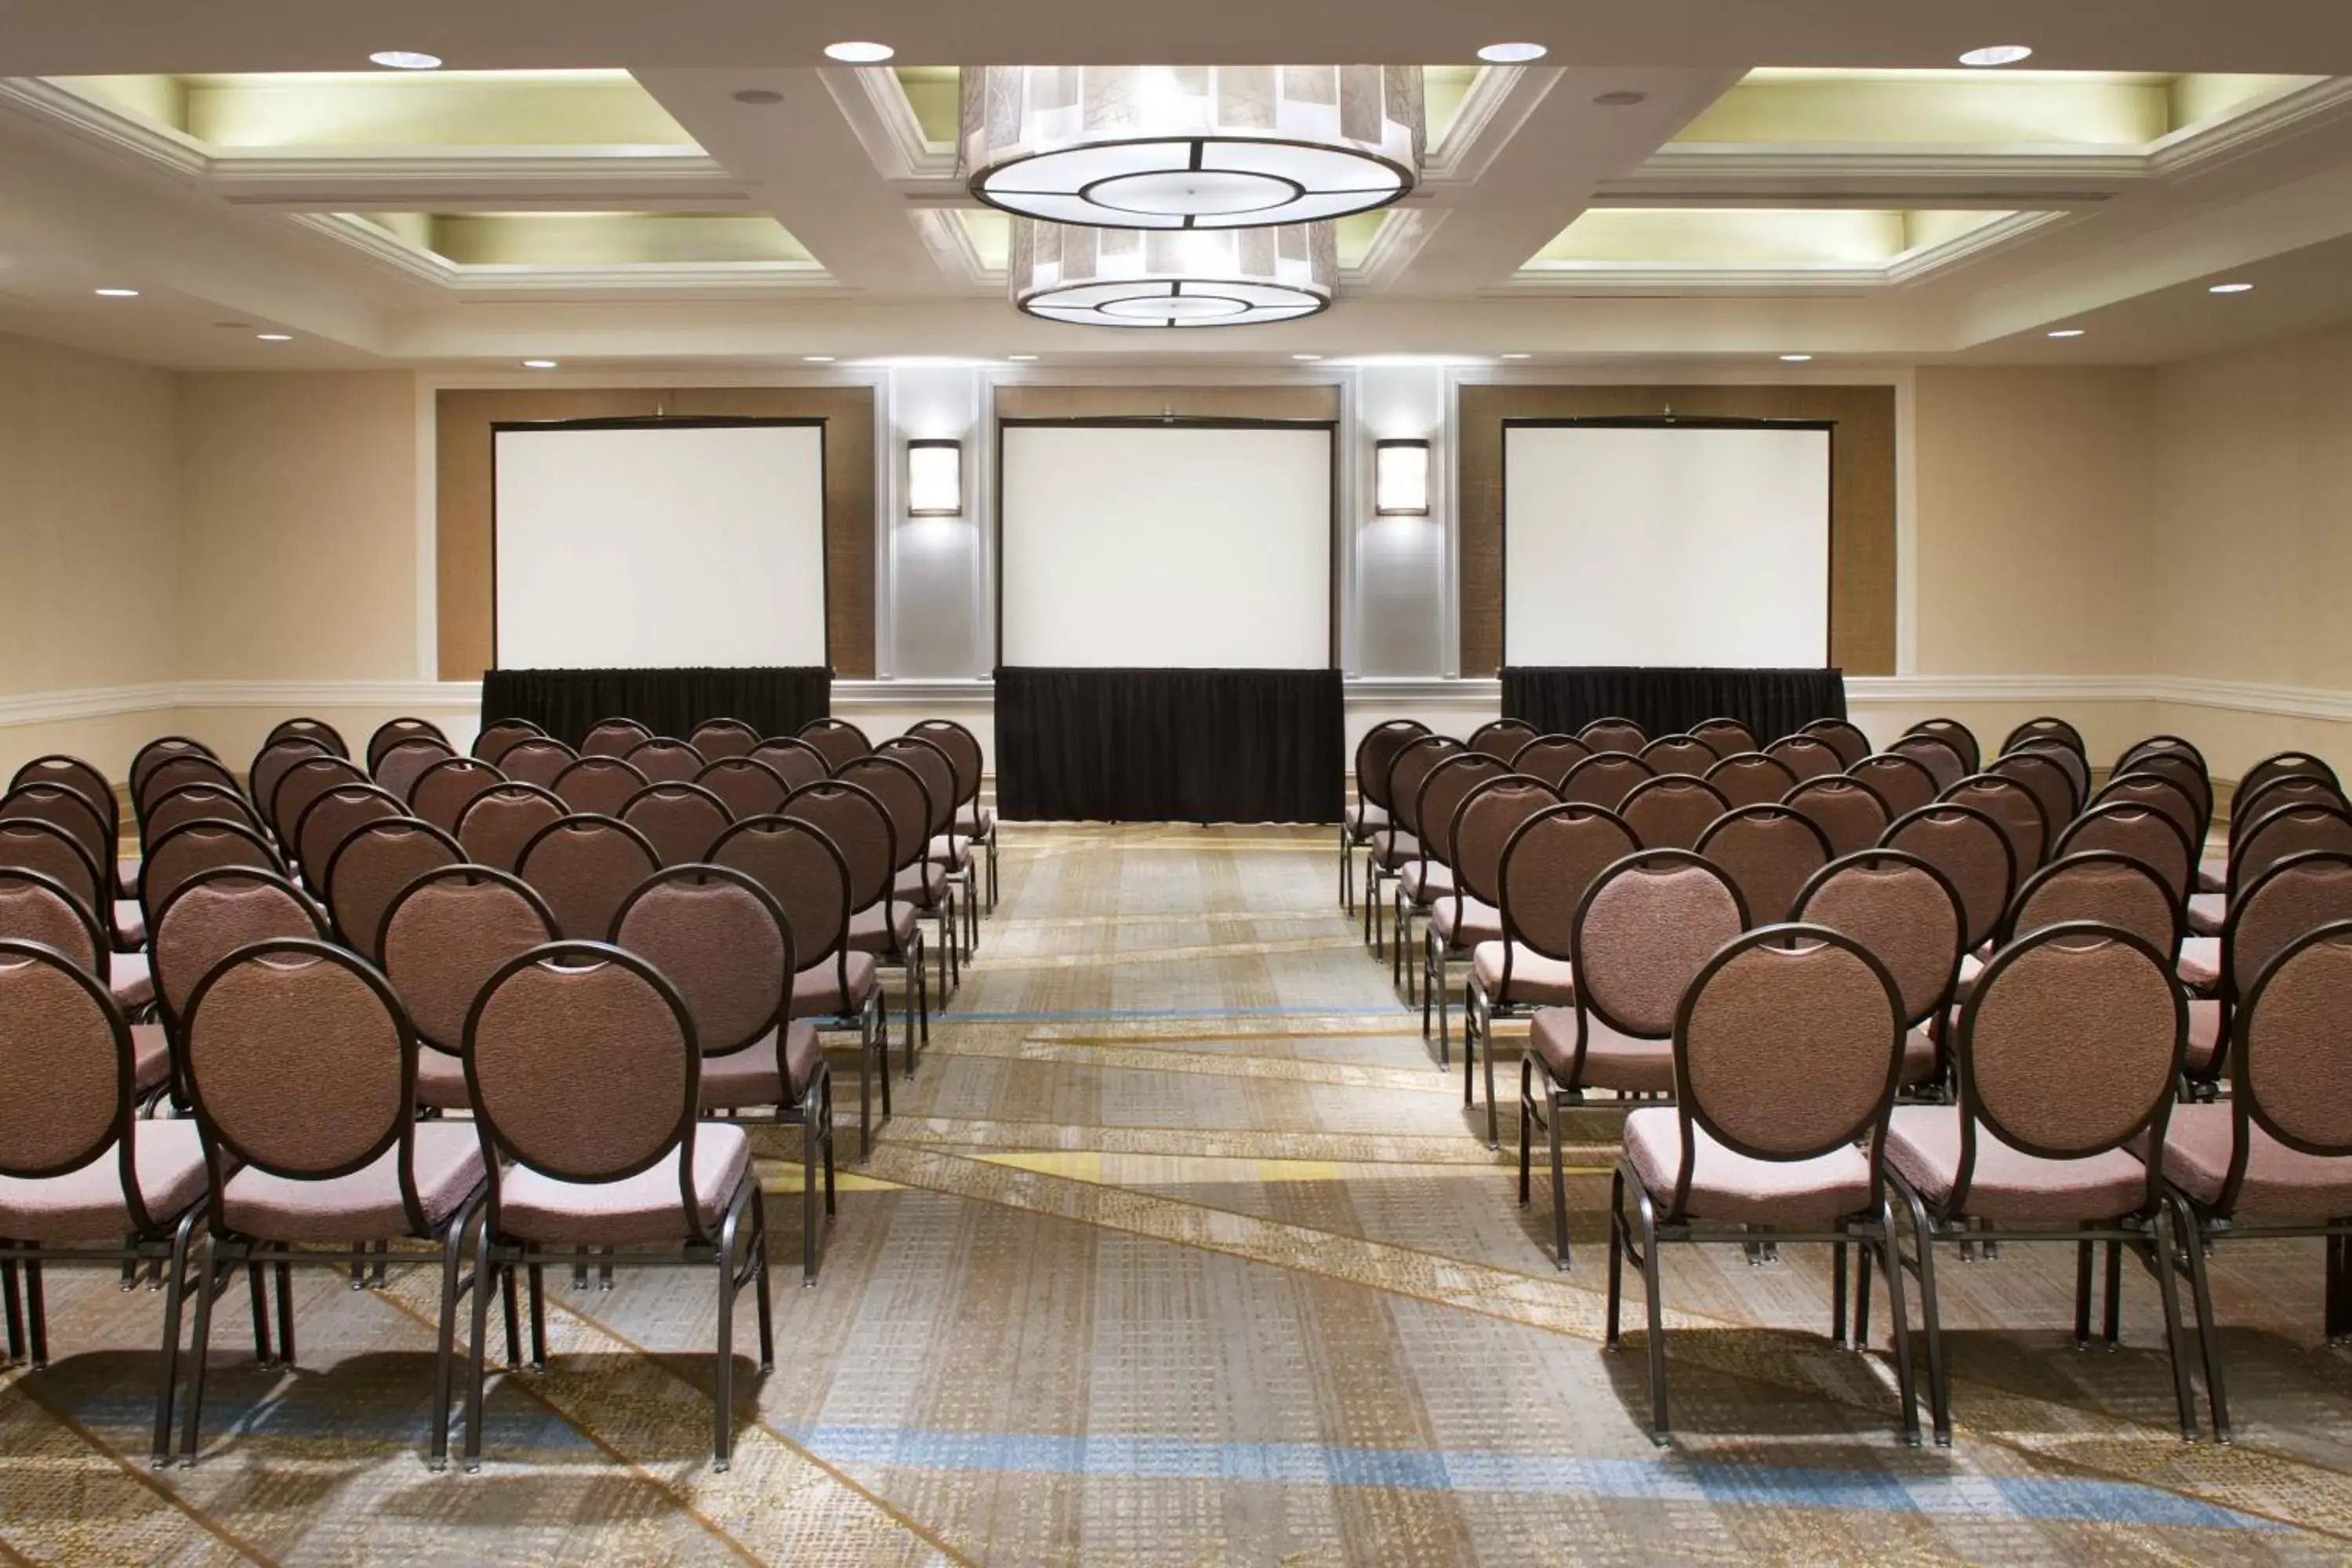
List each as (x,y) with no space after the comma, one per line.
(1182,1250)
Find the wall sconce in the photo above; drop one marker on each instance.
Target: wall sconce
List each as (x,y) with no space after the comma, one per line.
(1400,479)
(934,478)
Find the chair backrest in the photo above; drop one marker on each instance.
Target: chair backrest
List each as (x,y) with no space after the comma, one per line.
(1955,734)
(1443,790)
(2158,794)
(681,821)
(583,866)
(2070,1045)
(92,786)
(332,817)
(371,866)
(1847,811)
(1671,811)
(1680,754)
(68,810)
(725,944)
(1969,848)
(1763,1090)
(962,748)
(1841,737)
(1483,825)
(1614,735)
(445,933)
(309,778)
(1806,757)
(305,727)
(933,768)
(494,738)
(1936,754)
(28,845)
(1502,737)
(497,823)
(1751,778)
(1604,778)
(1547,863)
(2140,832)
(193,848)
(614,738)
(2279,765)
(903,794)
(2248,808)
(1770,852)
(804,872)
(536,759)
(443,792)
(837,739)
(2297,894)
(2103,886)
(39,909)
(170,772)
(2290,1056)
(2046,728)
(1645,927)
(154,755)
(1903,911)
(2013,809)
(860,826)
(1550,757)
(398,731)
(793,759)
(716,738)
(1724,737)
(2043,770)
(664,760)
(269,769)
(397,769)
(1409,765)
(67,1073)
(747,786)
(2190,774)
(2291,830)
(585,1066)
(2162,746)
(210,916)
(599,784)
(1903,783)
(2071,761)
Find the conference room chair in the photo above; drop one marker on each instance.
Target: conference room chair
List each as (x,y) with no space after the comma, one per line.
(1643,930)
(441,937)
(371,867)
(916,880)
(836,988)
(1847,811)
(397,769)
(536,759)
(1724,737)
(1847,740)
(793,760)
(174,773)
(2293,894)
(1806,757)
(1549,758)
(491,742)
(1680,754)
(85,1181)
(2150,837)
(2069,762)
(2110,890)
(748,786)
(2069,1051)
(1770,852)
(1605,778)
(726,945)
(59,771)
(2248,807)
(499,821)
(41,908)
(2041,770)
(2188,773)
(333,815)
(159,751)
(1361,822)
(2160,793)
(1936,754)
(881,925)
(268,768)
(613,737)
(1902,783)
(1759,1134)
(1750,778)
(2046,728)
(716,738)
(583,866)
(2248,813)
(1394,846)
(301,1067)
(586,1070)
(681,821)
(598,784)
(2013,810)
(1614,735)
(200,921)
(399,731)
(190,850)
(1671,811)
(947,849)
(69,812)
(1502,737)
(27,844)
(972,820)
(305,781)
(2275,1161)
(1429,875)
(1471,916)
(304,727)
(2270,770)
(837,739)
(666,760)
(443,792)
(1955,734)
(1969,848)
(1547,863)
(2163,746)
(1907,914)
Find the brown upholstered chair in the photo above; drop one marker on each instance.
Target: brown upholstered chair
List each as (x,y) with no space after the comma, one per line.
(1847,811)
(681,821)
(2161,745)
(2148,837)
(719,938)
(211,914)
(302,1069)
(1549,758)
(69,812)
(1902,782)
(333,815)
(2188,773)
(497,823)
(972,820)
(2161,794)
(1937,755)
(1429,877)
(1680,754)
(949,850)
(269,769)
(1957,736)
(191,849)
(172,772)
(2252,841)
(614,738)
(536,759)
(200,802)
(1646,926)
(1604,778)
(1907,914)
(2104,887)
(307,729)
(398,768)
(794,761)
(2013,810)
(440,939)
(598,784)
(882,924)
(491,742)
(1751,778)
(1969,848)
(1770,852)
(2069,762)
(85,1181)
(667,761)
(1806,757)
(1673,811)
(1841,737)
(443,792)
(2068,1052)
(2270,770)
(309,778)
(60,771)
(1724,737)
(916,881)
(151,757)
(1774,1124)
(747,787)
(2288,896)
(1614,735)
(34,907)
(2275,1161)
(400,732)
(1394,845)
(586,1069)
(2045,729)
(369,869)
(2044,770)
(716,738)
(1471,915)
(838,739)
(583,866)
(1502,737)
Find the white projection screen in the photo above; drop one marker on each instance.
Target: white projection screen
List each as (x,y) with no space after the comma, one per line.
(659,545)
(1165,546)
(1666,545)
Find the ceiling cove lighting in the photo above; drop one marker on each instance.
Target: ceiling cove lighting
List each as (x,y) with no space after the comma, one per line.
(539,364)
(817,359)
(1307,359)
(1997,55)
(1204,277)
(1400,479)
(859,53)
(1519,356)
(274,337)
(1021,358)
(934,478)
(1516,54)
(2230,289)
(1796,359)
(1189,147)
(2067,333)
(405,60)
(116,294)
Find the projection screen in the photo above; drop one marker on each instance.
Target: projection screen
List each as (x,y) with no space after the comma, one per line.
(629,545)
(1165,546)
(1665,545)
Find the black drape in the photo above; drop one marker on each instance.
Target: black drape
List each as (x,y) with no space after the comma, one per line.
(567,702)
(1168,745)
(1770,702)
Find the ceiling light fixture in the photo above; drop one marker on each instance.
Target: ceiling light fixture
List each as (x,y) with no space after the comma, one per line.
(539,364)
(859,53)
(817,359)
(1189,147)
(116,294)
(1997,55)
(759,95)
(274,337)
(1020,359)
(1307,359)
(1517,54)
(1624,98)
(1795,359)
(1208,277)
(2230,289)
(405,60)
(2067,333)
(1519,356)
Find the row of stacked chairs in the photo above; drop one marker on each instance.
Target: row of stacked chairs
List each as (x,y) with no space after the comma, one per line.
(1599,884)
(528,999)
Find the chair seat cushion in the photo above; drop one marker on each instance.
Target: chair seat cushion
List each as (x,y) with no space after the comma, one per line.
(818,991)
(87,1204)
(126,873)
(1479,922)
(1424,880)
(2282,1185)
(1534,981)
(1732,1187)
(133,980)
(2204,1035)
(923,884)
(2200,963)
(748,1077)
(1966,985)
(1920,1058)
(1363,817)
(1923,1143)
(975,820)
(2213,876)
(952,850)
(869,933)
(1612,1060)
(130,923)
(1392,850)
(2208,913)
(364,1205)
(441,1080)
(640,1208)
(151,1055)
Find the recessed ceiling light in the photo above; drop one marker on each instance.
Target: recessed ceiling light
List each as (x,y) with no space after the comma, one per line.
(759,95)
(1621,99)
(116,294)
(1996,55)
(540,364)
(1519,356)
(2230,289)
(1022,359)
(1517,54)
(2067,333)
(274,337)
(1795,359)
(1305,359)
(859,54)
(405,60)
(817,359)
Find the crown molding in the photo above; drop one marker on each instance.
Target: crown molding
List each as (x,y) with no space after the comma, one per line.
(1499,100)
(1779,277)
(874,101)
(105,127)
(2286,113)
(1980,242)
(704,278)
(1714,173)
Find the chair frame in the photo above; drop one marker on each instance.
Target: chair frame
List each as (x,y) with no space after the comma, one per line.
(923,729)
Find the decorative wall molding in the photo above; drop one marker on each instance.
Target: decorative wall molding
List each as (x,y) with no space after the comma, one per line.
(85,702)
(704,278)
